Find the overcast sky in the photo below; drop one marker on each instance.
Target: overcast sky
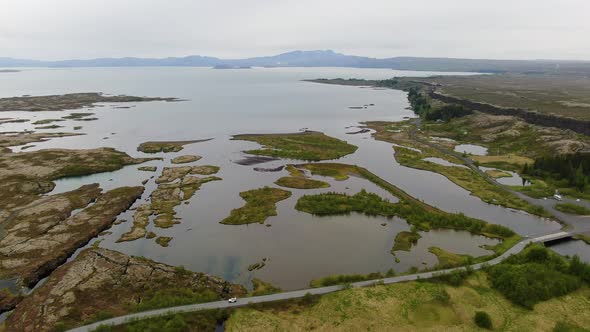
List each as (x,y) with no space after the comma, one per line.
(515,29)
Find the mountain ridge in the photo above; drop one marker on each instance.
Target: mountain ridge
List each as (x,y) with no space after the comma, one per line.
(320,58)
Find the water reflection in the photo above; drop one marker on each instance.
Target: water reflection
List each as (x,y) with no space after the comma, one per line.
(299,247)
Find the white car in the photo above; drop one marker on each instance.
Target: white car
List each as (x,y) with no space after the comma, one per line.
(557,197)
(233,300)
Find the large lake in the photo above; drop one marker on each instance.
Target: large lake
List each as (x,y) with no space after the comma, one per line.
(221,103)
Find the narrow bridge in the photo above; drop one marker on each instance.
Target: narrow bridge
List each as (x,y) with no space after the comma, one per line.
(317,291)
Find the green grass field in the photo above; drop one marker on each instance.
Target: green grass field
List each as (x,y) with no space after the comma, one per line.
(416,306)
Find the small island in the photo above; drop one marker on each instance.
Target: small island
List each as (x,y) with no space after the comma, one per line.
(166,146)
(260,204)
(307,145)
(70,101)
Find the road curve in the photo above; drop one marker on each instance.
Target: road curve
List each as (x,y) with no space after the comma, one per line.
(313,291)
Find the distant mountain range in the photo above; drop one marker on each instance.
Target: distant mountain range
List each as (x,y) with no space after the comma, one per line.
(322,58)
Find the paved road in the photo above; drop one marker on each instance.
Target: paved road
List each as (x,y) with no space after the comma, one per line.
(314,291)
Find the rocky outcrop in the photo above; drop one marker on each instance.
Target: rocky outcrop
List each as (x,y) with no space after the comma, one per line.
(25,176)
(68,101)
(42,235)
(185,159)
(547,120)
(105,281)
(164,199)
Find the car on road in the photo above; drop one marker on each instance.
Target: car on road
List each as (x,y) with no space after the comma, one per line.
(557,197)
(233,300)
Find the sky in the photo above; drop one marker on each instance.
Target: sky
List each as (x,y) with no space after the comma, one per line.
(499,29)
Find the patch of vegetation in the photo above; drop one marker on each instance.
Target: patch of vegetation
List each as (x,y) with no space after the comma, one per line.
(419,101)
(164,241)
(263,288)
(340,279)
(582,237)
(204,170)
(496,174)
(574,169)
(536,275)
(307,145)
(482,319)
(46,121)
(405,240)
(447,259)
(446,113)
(572,208)
(168,146)
(206,320)
(335,203)
(299,182)
(147,168)
(455,278)
(48,127)
(164,297)
(185,159)
(336,171)
(508,161)
(294,171)
(260,204)
(77,116)
(562,326)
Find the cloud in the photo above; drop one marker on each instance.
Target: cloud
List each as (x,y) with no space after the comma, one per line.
(59,29)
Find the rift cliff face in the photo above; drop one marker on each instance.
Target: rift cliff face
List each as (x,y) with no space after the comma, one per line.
(547,120)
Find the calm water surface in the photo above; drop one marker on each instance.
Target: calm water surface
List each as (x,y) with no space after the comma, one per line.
(472,149)
(221,103)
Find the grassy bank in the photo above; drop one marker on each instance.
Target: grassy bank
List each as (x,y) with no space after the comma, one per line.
(340,279)
(307,145)
(572,208)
